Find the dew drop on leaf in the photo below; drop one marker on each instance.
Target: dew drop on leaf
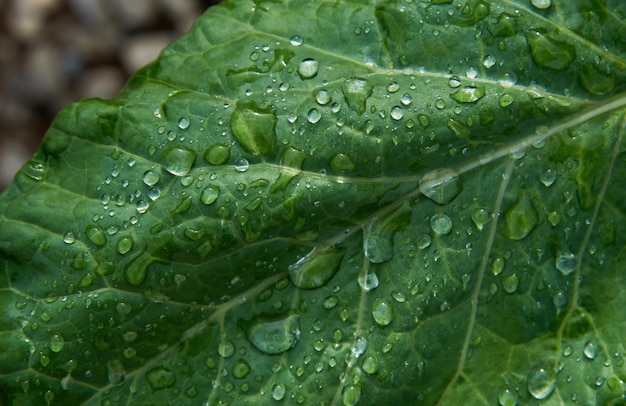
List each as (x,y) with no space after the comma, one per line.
(351,395)
(115,371)
(217,153)
(296,40)
(124,245)
(506,99)
(241,165)
(96,235)
(322,97)
(341,162)
(183,123)
(151,178)
(423,241)
(179,159)
(315,269)
(396,113)
(69,238)
(209,195)
(278,391)
(368,282)
(480,217)
(566,263)
(225,349)
(548,177)
(370,364)
(241,369)
(489,61)
(356,92)
(313,116)
(254,127)
(549,53)
(382,311)
(541,4)
(507,397)
(308,68)
(540,381)
(590,350)
(441,185)
(510,283)
(273,336)
(377,243)
(160,378)
(520,219)
(56,343)
(469,94)
(441,224)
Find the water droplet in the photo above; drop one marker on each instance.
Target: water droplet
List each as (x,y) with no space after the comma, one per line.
(548,177)
(322,97)
(351,395)
(359,346)
(356,91)
(370,364)
(225,349)
(423,241)
(382,310)
(480,217)
(308,68)
(541,381)
(278,391)
(441,224)
(596,80)
(296,40)
(590,350)
(314,116)
(510,283)
(69,238)
(440,104)
(368,281)
(160,378)
(135,270)
(56,343)
(241,369)
(241,165)
(548,52)
(315,269)
(541,4)
(471,72)
(441,185)
(406,99)
(566,263)
(396,113)
(489,61)
(507,397)
(520,219)
(183,123)
(115,372)
(151,178)
(254,56)
(179,159)
(124,245)
(273,336)
(559,299)
(254,127)
(96,235)
(377,242)
(217,154)
(468,94)
(341,162)
(209,195)
(393,87)
(506,99)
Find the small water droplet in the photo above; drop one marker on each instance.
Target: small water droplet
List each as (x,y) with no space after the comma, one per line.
(56,343)
(273,336)
(396,113)
(406,99)
(330,302)
(559,299)
(225,349)
(540,381)
(441,185)
(507,397)
(209,195)
(489,61)
(541,4)
(241,165)
(548,177)
(308,68)
(124,245)
(278,391)
(382,311)
(468,94)
(160,378)
(471,72)
(314,116)
(183,123)
(480,217)
(368,281)
(241,369)
(296,40)
(441,224)
(590,350)
(96,235)
(566,263)
(510,283)
(423,241)
(151,178)
(322,97)
(179,159)
(506,99)
(69,238)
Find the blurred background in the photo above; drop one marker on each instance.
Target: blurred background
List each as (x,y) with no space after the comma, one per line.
(53,52)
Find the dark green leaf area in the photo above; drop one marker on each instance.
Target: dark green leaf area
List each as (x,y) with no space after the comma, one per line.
(333,203)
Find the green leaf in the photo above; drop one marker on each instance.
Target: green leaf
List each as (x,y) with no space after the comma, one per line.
(309,202)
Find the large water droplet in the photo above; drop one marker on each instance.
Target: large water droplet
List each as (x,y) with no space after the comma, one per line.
(254,127)
(56,343)
(550,53)
(296,40)
(566,263)
(441,224)
(441,185)
(322,97)
(151,178)
(351,395)
(273,336)
(242,165)
(217,153)
(382,311)
(160,378)
(378,242)
(520,219)
(313,116)
(541,381)
(341,162)
(179,159)
(183,123)
(590,350)
(308,68)
(225,349)
(96,235)
(209,195)
(507,397)
(278,391)
(315,269)
(396,113)
(356,91)
(124,245)
(469,94)
(368,281)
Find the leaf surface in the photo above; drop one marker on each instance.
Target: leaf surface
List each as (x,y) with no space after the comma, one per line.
(333,203)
